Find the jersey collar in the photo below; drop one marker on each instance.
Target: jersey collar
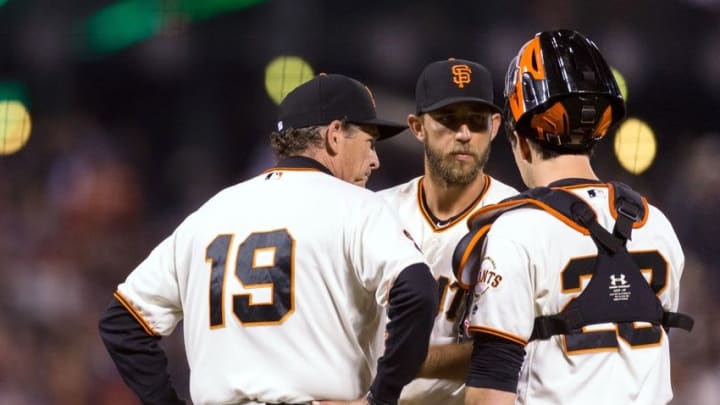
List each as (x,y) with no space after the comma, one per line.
(301,162)
(438,224)
(573,182)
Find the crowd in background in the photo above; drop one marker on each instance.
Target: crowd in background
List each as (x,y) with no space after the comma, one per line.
(124,146)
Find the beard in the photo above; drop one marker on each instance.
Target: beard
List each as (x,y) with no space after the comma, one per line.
(452,171)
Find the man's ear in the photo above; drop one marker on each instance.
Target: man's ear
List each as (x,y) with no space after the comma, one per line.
(415,123)
(525,148)
(333,137)
(495,122)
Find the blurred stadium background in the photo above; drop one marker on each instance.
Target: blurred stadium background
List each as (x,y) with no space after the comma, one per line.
(119,117)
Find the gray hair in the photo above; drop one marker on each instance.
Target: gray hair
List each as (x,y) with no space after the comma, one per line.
(293,142)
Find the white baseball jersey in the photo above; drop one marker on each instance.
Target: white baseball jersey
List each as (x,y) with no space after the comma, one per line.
(278,280)
(534,264)
(437,243)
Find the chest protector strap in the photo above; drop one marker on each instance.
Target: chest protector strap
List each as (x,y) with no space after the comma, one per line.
(617,291)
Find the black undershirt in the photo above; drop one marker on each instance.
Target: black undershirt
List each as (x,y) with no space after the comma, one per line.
(495,363)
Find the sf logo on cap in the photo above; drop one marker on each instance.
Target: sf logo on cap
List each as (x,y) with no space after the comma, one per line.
(461,75)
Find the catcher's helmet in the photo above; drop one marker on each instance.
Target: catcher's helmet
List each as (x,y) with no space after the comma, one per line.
(560,91)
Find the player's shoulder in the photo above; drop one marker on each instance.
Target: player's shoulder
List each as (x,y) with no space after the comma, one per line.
(659,223)
(209,210)
(407,189)
(231,192)
(229,198)
(523,222)
(657,214)
(524,217)
(542,221)
(350,195)
(498,191)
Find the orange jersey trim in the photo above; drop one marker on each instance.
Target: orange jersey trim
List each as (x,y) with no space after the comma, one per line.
(580,185)
(567,221)
(499,333)
(560,216)
(428,218)
(468,252)
(291,169)
(611,201)
(135,313)
(614,213)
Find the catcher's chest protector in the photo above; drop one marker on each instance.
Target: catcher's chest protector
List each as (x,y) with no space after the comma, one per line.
(617,291)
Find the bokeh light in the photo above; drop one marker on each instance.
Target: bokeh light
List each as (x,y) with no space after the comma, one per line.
(14,90)
(283,74)
(14,126)
(127,22)
(620,79)
(635,145)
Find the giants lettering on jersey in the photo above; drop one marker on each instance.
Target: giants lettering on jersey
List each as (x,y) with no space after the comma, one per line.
(487,277)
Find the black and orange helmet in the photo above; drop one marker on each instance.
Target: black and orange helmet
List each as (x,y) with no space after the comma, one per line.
(560,91)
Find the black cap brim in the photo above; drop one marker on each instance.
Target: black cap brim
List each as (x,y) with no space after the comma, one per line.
(386,128)
(453,100)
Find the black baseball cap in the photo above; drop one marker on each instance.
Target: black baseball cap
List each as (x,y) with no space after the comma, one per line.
(329,97)
(451,81)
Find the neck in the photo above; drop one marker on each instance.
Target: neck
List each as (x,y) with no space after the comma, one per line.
(562,167)
(448,200)
(322,158)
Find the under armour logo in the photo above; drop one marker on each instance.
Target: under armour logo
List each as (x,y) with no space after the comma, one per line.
(615,280)
(461,75)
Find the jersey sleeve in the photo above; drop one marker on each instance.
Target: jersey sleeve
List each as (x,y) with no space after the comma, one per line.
(503,303)
(380,248)
(670,296)
(151,292)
